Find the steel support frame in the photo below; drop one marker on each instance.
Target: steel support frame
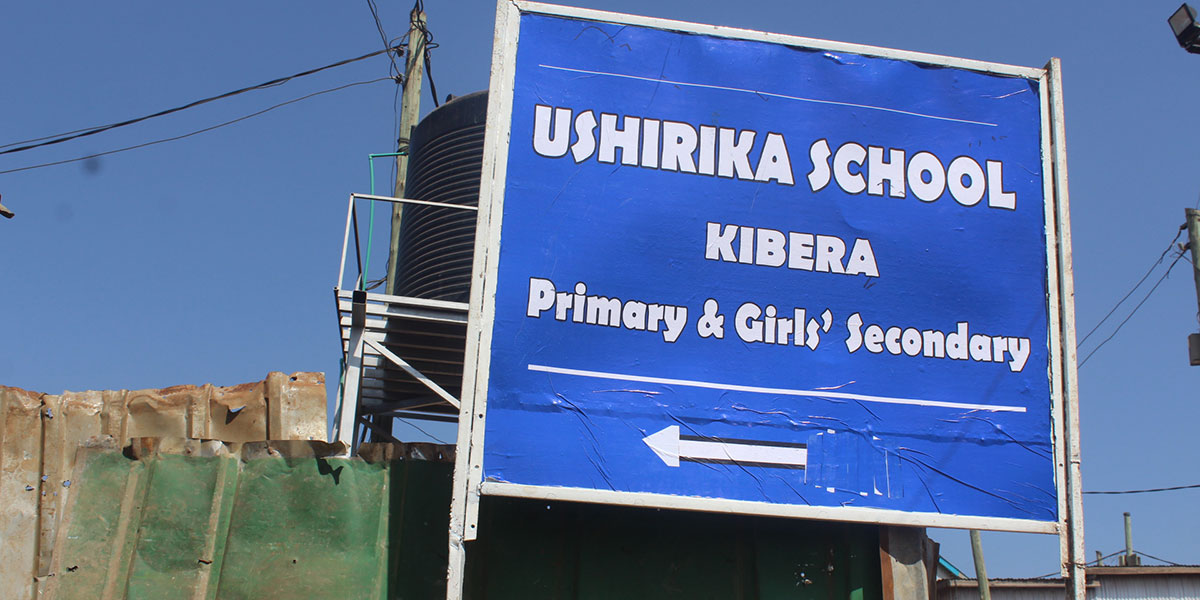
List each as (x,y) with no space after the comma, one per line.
(349,409)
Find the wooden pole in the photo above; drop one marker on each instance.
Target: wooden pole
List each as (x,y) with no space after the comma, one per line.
(410,113)
(981,578)
(1193,229)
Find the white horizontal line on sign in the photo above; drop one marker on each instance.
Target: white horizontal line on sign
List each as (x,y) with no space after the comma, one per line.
(771,94)
(780,391)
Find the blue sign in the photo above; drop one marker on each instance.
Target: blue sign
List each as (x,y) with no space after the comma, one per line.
(739,270)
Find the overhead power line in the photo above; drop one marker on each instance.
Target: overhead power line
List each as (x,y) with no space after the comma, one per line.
(198,131)
(1100,562)
(79,133)
(1135,286)
(418,428)
(1150,491)
(396,71)
(1174,564)
(1097,561)
(1134,311)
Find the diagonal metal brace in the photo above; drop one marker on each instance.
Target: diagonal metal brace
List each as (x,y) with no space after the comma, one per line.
(419,376)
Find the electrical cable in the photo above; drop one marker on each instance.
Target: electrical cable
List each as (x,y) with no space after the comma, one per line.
(198,131)
(1101,559)
(79,133)
(47,137)
(1135,309)
(397,73)
(1134,288)
(429,73)
(374,283)
(415,426)
(1173,564)
(419,8)
(1149,491)
(396,130)
(1107,556)
(395,69)
(1091,562)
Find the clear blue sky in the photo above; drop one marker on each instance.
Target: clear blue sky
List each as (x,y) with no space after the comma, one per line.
(211,259)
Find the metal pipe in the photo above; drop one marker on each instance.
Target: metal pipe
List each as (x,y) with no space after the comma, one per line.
(1128,540)
(414,201)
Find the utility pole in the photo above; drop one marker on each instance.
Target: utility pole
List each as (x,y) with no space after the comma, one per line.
(410,111)
(981,578)
(1193,229)
(1186,28)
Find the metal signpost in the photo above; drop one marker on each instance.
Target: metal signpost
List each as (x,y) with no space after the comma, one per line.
(733,271)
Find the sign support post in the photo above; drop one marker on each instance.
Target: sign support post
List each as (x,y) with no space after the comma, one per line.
(1074,553)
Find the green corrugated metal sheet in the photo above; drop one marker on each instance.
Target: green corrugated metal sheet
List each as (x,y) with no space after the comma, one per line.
(271,521)
(205,520)
(528,549)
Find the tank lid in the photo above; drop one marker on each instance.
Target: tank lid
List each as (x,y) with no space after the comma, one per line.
(462,111)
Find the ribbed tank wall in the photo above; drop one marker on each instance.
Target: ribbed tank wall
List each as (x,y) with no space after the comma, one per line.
(434,259)
(445,162)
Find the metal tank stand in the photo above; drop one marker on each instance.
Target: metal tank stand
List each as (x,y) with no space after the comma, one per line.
(401,355)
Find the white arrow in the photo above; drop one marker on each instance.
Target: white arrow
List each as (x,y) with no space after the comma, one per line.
(672,448)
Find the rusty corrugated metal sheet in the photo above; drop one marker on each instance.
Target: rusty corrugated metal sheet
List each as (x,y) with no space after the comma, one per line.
(20,472)
(39,435)
(207,520)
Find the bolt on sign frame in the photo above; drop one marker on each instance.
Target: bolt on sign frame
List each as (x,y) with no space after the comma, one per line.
(741,272)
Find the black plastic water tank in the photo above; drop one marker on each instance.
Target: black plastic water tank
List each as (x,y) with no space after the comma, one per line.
(445,164)
(434,261)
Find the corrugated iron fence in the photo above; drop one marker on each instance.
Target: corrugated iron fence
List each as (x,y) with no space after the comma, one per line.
(177,518)
(128,517)
(39,435)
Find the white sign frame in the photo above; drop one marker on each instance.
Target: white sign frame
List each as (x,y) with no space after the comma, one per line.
(468,484)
